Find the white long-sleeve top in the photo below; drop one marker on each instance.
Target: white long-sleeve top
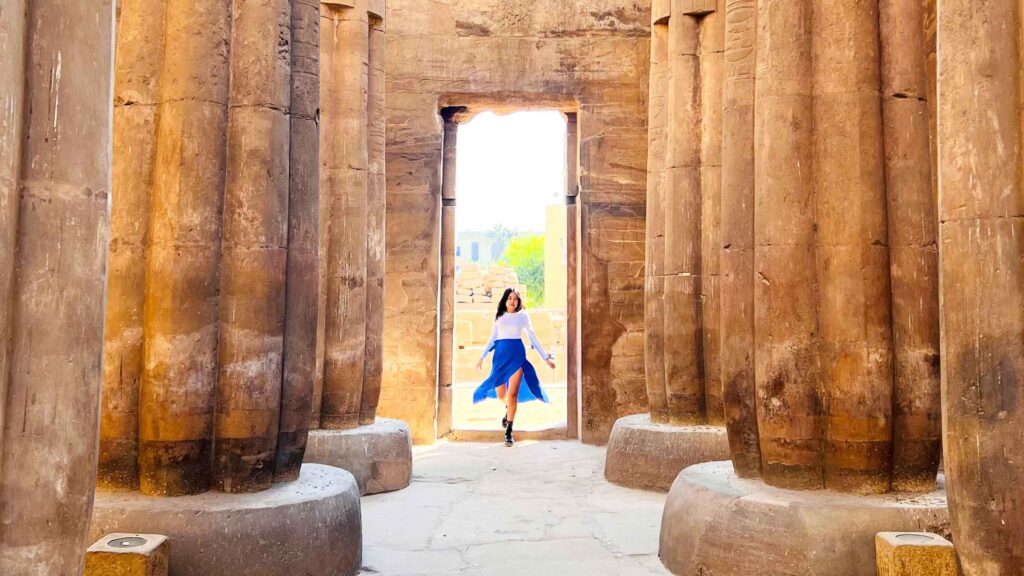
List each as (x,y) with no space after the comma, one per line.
(510,327)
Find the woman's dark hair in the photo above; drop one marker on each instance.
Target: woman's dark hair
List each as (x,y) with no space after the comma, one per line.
(502,308)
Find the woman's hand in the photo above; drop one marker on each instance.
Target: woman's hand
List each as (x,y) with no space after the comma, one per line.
(479,364)
(551,363)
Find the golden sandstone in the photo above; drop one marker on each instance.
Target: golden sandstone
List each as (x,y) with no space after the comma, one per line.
(225,223)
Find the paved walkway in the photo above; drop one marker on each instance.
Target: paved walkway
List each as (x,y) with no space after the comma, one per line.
(538,509)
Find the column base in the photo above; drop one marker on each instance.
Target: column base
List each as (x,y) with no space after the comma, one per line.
(717,523)
(644,454)
(378,455)
(311,526)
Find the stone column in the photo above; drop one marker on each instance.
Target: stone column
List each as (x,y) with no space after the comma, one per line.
(855,338)
(682,296)
(572,235)
(376,199)
(981,256)
(177,398)
(303,266)
(786,364)
(446,302)
(254,248)
(55,165)
(12,94)
(344,157)
(138,61)
(654,291)
(712,47)
(737,238)
(682,306)
(917,426)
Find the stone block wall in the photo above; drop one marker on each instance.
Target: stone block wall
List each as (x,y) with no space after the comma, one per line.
(585,56)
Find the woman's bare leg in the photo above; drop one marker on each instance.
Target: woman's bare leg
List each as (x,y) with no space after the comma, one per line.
(500,390)
(513,394)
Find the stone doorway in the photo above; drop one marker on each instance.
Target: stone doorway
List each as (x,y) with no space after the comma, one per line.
(466,312)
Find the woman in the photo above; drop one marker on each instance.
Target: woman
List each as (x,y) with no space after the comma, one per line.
(510,365)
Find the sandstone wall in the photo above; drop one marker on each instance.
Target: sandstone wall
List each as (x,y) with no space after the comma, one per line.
(584,55)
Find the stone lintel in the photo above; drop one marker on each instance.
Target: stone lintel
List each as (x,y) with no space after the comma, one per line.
(340,3)
(660,11)
(376,9)
(697,7)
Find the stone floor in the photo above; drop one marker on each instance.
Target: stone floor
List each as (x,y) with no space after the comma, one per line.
(536,509)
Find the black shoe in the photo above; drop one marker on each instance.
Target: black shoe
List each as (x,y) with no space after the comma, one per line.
(508,435)
(504,420)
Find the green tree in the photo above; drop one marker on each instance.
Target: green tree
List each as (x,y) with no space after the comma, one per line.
(525,254)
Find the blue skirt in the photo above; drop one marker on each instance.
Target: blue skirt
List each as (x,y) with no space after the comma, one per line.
(510,356)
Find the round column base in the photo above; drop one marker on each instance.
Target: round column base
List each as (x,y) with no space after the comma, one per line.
(717,523)
(311,526)
(378,455)
(644,454)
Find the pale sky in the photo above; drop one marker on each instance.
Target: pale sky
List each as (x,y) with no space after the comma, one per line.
(508,168)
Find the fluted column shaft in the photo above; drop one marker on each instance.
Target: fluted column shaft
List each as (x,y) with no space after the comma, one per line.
(654,281)
(55,173)
(851,242)
(917,426)
(376,198)
(737,237)
(344,177)
(178,391)
(254,247)
(684,379)
(787,371)
(981,253)
(303,266)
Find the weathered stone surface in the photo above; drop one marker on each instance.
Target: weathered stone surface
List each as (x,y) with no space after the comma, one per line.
(136,98)
(302,306)
(353,188)
(55,172)
(838,403)
(253,248)
(646,454)
(980,206)
(379,455)
(557,515)
(737,238)
(527,54)
(913,253)
(310,526)
(914,554)
(716,523)
(179,378)
(121,554)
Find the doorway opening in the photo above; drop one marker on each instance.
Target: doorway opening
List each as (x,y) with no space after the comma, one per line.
(508,220)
